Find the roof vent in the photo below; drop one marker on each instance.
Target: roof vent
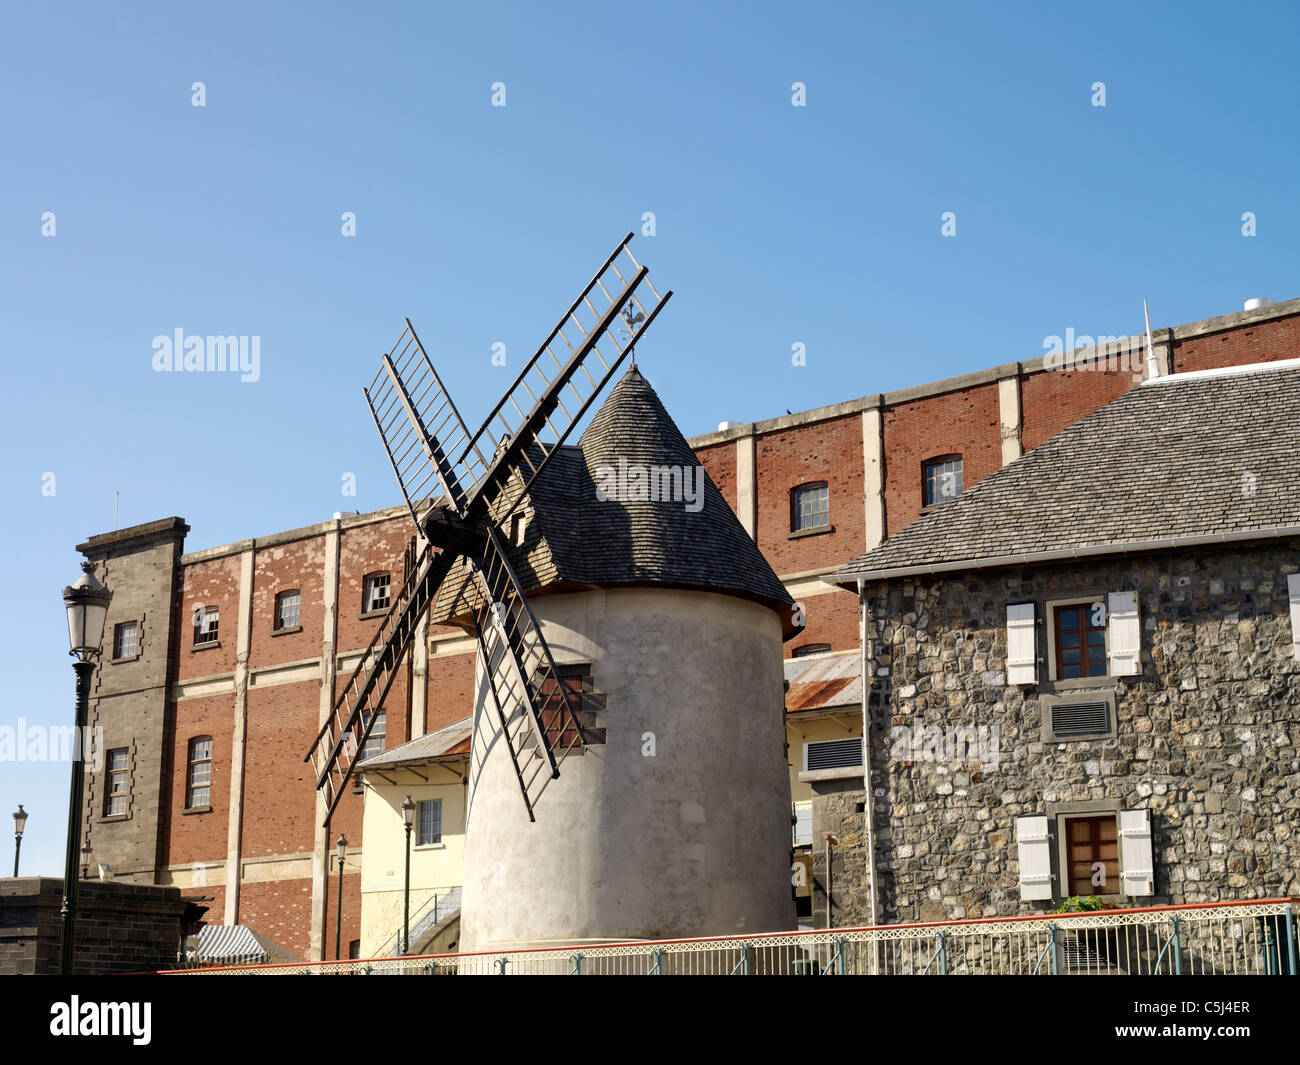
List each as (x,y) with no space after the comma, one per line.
(1258,302)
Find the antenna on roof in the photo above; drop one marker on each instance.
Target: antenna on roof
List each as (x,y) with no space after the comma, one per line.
(115,498)
(1153,367)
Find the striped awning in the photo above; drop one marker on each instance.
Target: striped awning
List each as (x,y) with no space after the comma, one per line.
(229,944)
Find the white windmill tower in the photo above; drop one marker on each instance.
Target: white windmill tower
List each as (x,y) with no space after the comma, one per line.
(628,629)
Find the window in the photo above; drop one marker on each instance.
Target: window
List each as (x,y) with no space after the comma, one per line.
(801,823)
(198,791)
(1087,848)
(941,479)
(1092,855)
(354,948)
(375,596)
(126,640)
(378,734)
(428,822)
(1080,634)
(119,778)
(518,527)
(811,649)
(286,610)
(560,729)
(810,507)
(205,625)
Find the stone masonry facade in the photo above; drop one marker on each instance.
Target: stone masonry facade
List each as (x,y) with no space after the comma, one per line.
(1206,737)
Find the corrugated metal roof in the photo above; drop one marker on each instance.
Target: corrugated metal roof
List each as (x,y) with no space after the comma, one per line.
(449,740)
(820,682)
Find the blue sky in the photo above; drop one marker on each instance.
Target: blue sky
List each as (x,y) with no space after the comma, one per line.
(775,225)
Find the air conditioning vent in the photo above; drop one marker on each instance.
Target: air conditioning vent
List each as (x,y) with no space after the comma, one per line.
(832,754)
(1080,719)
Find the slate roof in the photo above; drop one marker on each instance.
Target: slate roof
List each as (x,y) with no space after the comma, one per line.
(1206,455)
(575,540)
(820,682)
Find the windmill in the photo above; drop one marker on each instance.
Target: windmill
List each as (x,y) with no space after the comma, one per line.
(461,490)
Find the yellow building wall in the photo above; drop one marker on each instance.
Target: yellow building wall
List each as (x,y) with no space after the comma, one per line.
(800,732)
(434,869)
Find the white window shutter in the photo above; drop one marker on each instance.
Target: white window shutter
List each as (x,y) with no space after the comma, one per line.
(1293,593)
(1137,868)
(1022,650)
(1124,634)
(1035,852)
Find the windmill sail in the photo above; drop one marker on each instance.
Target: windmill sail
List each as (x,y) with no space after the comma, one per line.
(458,487)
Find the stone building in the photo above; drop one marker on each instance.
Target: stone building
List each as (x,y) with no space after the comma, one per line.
(1086,669)
(220,663)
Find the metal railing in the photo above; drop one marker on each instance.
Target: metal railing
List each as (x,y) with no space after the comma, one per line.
(436,908)
(1227,938)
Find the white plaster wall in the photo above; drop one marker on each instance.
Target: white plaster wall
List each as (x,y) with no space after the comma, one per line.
(694,840)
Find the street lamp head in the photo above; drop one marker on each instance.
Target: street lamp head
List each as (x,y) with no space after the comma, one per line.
(408,812)
(87,606)
(20,821)
(342,846)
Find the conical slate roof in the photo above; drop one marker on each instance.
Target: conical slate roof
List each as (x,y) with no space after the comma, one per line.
(630,505)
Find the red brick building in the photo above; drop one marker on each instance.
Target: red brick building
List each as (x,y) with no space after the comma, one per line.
(219,665)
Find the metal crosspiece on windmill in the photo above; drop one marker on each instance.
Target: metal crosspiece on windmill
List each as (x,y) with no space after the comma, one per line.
(461,489)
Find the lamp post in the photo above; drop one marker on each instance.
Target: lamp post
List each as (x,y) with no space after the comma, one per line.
(20,822)
(87,606)
(408,819)
(342,846)
(85,860)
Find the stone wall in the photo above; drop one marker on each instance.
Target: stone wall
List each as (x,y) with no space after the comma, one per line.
(1206,735)
(121,928)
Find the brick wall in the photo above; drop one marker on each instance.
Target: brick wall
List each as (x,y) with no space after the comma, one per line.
(1261,342)
(965,422)
(829,451)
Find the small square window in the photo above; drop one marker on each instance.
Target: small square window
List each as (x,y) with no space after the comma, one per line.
(375,596)
(428,822)
(119,779)
(126,640)
(206,621)
(941,479)
(810,507)
(287,605)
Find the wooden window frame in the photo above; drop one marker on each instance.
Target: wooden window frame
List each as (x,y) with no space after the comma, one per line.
(810,649)
(203,635)
(381,721)
(940,461)
(796,512)
(366,608)
(419,822)
(111,776)
(118,656)
(277,623)
(1086,627)
(1094,843)
(191,763)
